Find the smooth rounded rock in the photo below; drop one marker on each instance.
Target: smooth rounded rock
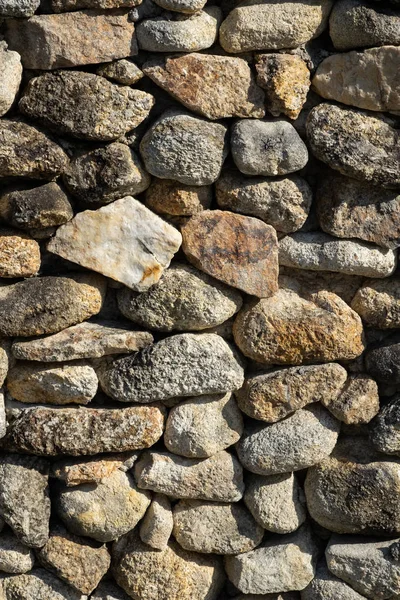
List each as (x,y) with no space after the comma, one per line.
(10,76)
(378,303)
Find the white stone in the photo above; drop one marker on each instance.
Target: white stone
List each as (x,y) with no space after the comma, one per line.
(10,77)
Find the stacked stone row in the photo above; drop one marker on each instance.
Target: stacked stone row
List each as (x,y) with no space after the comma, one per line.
(199,303)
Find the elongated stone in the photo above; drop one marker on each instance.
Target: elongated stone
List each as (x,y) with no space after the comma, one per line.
(10,77)
(74,471)
(58,6)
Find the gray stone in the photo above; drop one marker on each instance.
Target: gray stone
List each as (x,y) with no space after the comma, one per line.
(24,497)
(283,564)
(14,556)
(323,252)
(86,340)
(157,525)
(101,111)
(276,502)
(326,586)
(378,303)
(108,590)
(356,143)
(183,6)
(27,152)
(358,24)
(201,427)
(182,365)
(211,527)
(105,511)
(283,203)
(273,25)
(385,434)
(123,71)
(39,584)
(357,403)
(184,299)
(185,148)
(10,76)
(218,478)
(308,436)
(267,147)
(18,8)
(106,174)
(276,394)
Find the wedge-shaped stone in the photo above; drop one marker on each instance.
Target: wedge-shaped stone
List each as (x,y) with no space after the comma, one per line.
(127,242)
(213,86)
(157,525)
(378,303)
(82,431)
(39,583)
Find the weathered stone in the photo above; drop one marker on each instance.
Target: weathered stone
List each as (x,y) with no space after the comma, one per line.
(283,564)
(183,6)
(283,203)
(201,427)
(378,303)
(367,566)
(72,38)
(210,527)
(123,71)
(273,25)
(284,596)
(106,174)
(86,340)
(358,144)
(357,24)
(5,361)
(69,383)
(92,470)
(39,584)
(290,328)
(365,79)
(218,478)
(183,299)
(276,502)
(27,152)
(81,431)
(348,208)
(19,254)
(357,403)
(3,422)
(383,362)
(185,148)
(323,252)
(240,251)
(355,490)
(49,304)
(286,80)
(148,574)
(182,365)
(210,85)
(127,242)
(267,147)
(103,512)
(107,590)
(24,497)
(385,434)
(326,586)
(80,563)
(67,5)
(158,522)
(148,9)
(10,76)
(308,436)
(18,8)
(273,395)
(84,105)
(168,197)
(14,556)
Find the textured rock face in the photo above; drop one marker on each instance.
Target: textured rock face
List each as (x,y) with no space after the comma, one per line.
(10,77)
(168,197)
(72,471)
(19,254)
(123,71)
(357,403)
(157,525)
(383,362)
(15,557)
(384,434)
(18,8)
(326,586)
(39,583)
(67,5)
(183,6)
(378,303)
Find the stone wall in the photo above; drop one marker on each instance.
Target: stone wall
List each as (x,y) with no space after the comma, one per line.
(199,302)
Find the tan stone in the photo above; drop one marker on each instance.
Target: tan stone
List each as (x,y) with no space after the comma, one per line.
(378,303)
(169,197)
(240,251)
(123,71)
(19,254)
(212,86)
(358,401)
(91,470)
(67,5)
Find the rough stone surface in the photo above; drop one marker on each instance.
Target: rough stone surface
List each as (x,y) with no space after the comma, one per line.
(276,502)
(27,152)
(72,471)
(357,403)
(283,203)
(168,197)
(157,525)
(290,328)
(348,208)
(10,76)
(183,299)
(18,8)
(326,586)
(84,105)
(19,254)
(123,71)
(182,365)
(267,147)
(378,303)
(14,556)
(127,242)
(109,591)
(39,584)
(49,304)
(86,340)
(240,251)
(185,148)
(80,431)
(358,144)
(183,6)
(383,362)
(216,528)
(273,25)
(276,394)
(72,38)
(201,427)
(282,564)
(213,86)
(67,5)
(322,252)
(218,478)
(103,512)
(385,429)
(148,574)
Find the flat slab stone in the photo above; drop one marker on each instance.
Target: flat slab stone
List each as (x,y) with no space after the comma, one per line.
(127,242)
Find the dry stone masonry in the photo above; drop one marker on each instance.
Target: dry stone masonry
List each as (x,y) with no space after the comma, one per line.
(199,299)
